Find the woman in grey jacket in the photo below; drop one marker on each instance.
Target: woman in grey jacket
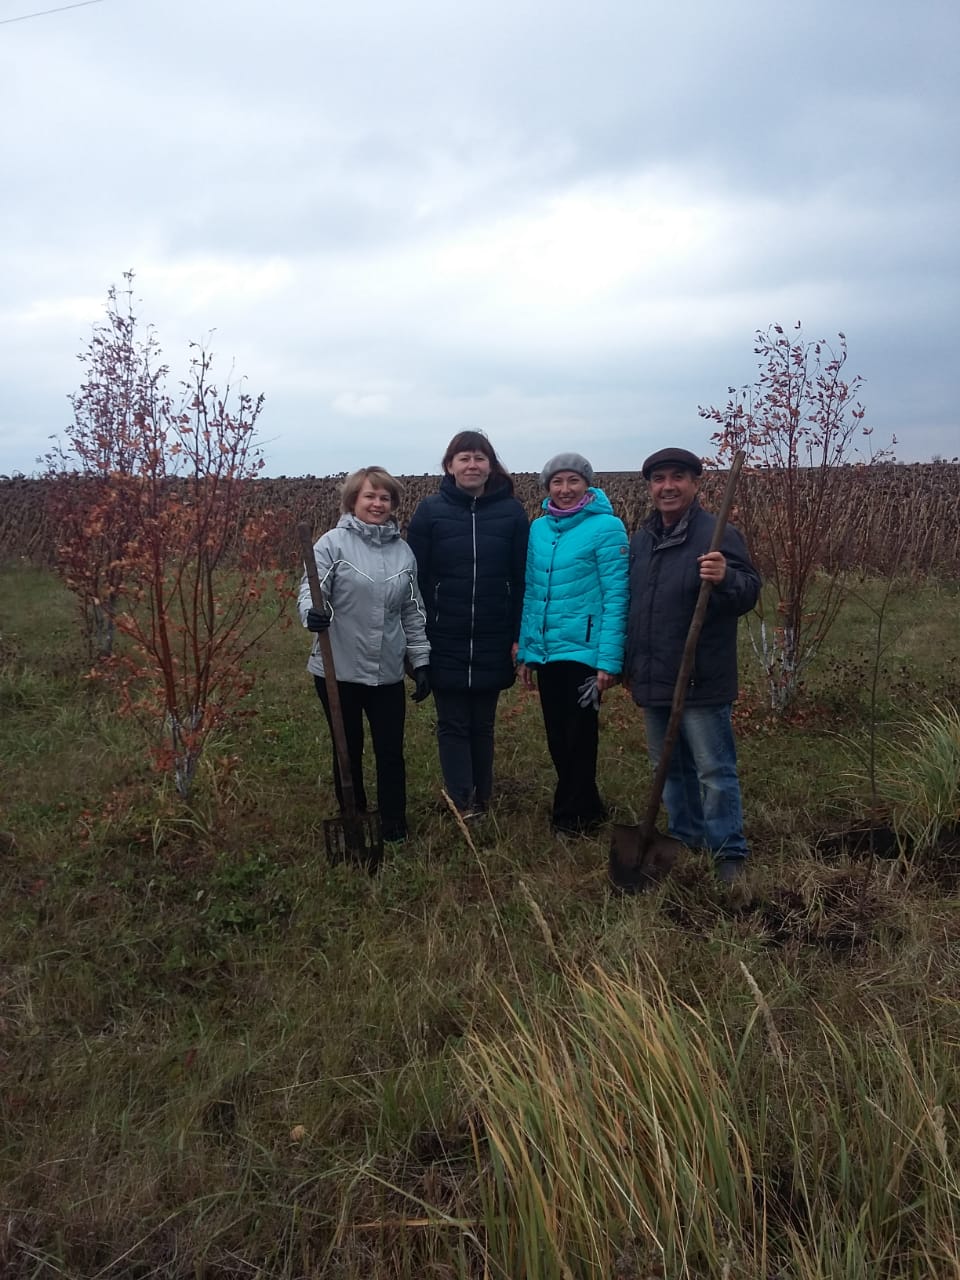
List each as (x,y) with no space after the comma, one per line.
(376,621)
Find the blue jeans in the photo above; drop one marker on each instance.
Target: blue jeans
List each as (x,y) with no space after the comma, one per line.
(702,790)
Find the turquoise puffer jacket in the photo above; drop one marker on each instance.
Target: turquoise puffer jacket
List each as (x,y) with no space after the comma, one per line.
(577,592)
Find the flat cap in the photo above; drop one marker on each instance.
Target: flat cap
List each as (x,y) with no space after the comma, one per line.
(672,457)
(566,462)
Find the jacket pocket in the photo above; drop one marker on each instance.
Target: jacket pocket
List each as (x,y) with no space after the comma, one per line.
(504,610)
(589,628)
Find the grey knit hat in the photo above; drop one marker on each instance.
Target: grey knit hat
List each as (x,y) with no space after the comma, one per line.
(566,462)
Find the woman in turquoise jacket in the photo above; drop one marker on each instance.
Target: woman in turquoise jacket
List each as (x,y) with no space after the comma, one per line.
(573,629)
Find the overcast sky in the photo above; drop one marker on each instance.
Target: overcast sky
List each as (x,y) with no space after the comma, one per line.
(561,223)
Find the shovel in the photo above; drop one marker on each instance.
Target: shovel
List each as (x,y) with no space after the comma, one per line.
(642,856)
(354,837)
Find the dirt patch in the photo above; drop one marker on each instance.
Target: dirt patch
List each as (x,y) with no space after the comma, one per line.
(839,919)
(862,841)
(857,841)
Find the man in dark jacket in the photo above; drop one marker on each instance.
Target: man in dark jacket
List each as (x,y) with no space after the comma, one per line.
(669,557)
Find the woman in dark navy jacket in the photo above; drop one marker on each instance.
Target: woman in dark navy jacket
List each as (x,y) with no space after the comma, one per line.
(470,541)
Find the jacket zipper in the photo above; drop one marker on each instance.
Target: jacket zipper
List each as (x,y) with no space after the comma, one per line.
(473,592)
(653,576)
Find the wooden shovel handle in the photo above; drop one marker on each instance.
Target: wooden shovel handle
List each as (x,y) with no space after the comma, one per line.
(305,534)
(686,663)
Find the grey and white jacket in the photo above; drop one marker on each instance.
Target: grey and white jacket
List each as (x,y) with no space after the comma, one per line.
(369,580)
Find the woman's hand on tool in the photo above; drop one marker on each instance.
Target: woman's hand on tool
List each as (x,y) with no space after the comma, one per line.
(317,620)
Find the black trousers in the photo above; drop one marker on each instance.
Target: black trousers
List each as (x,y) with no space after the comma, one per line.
(465,723)
(572,738)
(385,708)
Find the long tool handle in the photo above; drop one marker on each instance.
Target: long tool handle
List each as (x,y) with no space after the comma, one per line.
(329,673)
(686,665)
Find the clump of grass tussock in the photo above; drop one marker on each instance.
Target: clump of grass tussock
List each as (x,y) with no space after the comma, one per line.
(630,1129)
(919,777)
(609,1129)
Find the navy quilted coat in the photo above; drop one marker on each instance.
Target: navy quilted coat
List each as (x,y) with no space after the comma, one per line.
(471,553)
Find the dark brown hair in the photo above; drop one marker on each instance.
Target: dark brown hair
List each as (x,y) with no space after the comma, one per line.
(477,442)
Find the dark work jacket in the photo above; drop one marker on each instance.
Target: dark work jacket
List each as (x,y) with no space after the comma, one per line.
(471,556)
(664,585)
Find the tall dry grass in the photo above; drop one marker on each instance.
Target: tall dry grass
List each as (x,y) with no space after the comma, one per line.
(630,1133)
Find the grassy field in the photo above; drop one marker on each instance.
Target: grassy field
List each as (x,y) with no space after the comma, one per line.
(220,1057)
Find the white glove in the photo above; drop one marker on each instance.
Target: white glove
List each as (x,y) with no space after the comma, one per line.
(589,694)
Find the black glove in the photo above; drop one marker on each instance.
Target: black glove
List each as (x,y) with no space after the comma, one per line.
(317,620)
(422,678)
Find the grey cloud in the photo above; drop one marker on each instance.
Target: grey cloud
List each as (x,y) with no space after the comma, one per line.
(362,199)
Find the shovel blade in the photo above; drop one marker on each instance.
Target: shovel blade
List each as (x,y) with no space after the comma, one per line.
(638,860)
(356,838)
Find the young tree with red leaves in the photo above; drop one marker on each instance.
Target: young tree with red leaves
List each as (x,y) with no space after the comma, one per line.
(798,425)
(196,572)
(93,499)
(156,537)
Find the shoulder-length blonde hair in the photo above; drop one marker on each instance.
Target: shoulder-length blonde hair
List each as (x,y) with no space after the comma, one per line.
(378,479)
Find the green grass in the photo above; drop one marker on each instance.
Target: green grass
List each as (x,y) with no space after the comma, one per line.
(222,1057)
